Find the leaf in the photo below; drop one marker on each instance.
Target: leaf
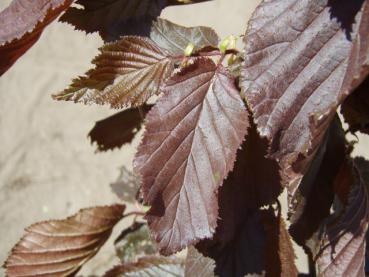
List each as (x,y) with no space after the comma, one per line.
(117,130)
(115,18)
(148,266)
(61,247)
(340,250)
(189,146)
(175,38)
(198,265)
(127,73)
(22,23)
(127,186)
(355,109)
(296,59)
(313,200)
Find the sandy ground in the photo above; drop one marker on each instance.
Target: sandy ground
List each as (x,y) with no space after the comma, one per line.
(48,169)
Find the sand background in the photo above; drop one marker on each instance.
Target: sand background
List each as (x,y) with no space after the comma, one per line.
(48,169)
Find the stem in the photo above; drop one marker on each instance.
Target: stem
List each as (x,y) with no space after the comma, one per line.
(135,213)
(142,112)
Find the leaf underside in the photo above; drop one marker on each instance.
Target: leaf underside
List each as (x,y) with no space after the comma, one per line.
(127,73)
(22,23)
(198,265)
(61,247)
(192,135)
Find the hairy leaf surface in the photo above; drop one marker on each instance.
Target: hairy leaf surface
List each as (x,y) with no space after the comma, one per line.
(148,266)
(192,135)
(296,58)
(127,73)
(115,18)
(341,247)
(198,265)
(175,38)
(22,23)
(61,247)
(119,129)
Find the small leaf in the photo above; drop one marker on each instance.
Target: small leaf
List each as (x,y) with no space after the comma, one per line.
(115,18)
(61,247)
(127,73)
(198,265)
(148,266)
(175,38)
(117,130)
(22,24)
(192,135)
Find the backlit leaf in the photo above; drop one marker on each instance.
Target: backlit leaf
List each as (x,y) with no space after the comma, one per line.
(119,129)
(192,135)
(175,38)
(148,266)
(22,23)
(198,265)
(341,247)
(127,73)
(115,18)
(295,73)
(61,247)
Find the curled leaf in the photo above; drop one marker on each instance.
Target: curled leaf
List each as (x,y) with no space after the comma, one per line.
(61,247)
(22,23)
(192,135)
(127,73)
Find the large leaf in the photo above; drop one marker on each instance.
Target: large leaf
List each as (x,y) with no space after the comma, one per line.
(61,247)
(22,24)
(118,129)
(148,266)
(192,135)
(340,250)
(115,18)
(127,73)
(198,265)
(175,38)
(295,73)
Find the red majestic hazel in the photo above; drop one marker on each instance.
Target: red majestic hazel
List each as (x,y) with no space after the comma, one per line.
(225,132)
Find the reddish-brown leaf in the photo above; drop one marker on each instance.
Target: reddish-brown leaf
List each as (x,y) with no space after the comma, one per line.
(149,266)
(22,24)
(296,58)
(175,38)
(115,18)
(61,247)
(127,73)
(118,129)
(340,250)
(192,135)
